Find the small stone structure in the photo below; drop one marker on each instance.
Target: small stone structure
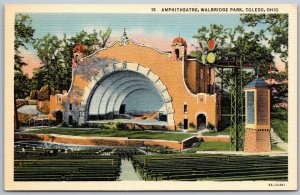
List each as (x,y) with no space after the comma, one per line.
(257,133)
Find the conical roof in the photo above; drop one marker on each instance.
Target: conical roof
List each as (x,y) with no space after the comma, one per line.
(257,83)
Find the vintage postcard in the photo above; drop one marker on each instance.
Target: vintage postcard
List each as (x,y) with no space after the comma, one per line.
(150,97)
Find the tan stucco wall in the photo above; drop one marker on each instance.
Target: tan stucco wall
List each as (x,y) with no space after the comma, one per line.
(171,74)
(169,70)
(192,76)
(55,105)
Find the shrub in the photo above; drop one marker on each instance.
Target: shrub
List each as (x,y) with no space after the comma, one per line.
(100,126)
(106,126)
(210,127)
(280,113)
(32,102)
(74,124)
(281,128)
(192,125)
(164,128)
(160,150)
(279,122)
(191,130)
(121,126)
(180,125)
(64,124)
(86,125)
(223,124)
(43,93)
(53,123)
(33,95)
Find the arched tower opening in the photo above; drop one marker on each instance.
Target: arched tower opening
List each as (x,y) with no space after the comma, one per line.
(177,53)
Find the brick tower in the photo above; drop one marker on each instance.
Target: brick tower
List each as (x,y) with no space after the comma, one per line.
(179,47)
(257,132)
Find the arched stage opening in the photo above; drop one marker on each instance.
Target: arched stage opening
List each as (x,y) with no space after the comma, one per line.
(124,93)
(127,91)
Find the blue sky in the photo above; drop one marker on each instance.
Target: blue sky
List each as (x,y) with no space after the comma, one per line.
(169,25)
(157,30)
(147,25)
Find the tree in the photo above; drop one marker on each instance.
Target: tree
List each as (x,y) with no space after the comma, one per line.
(23,35)
(277,37)
(21,85)
(49,50)
(215,31)
(92,41)
(249,48)
(104,36)
(39,78)
(235,45)
(56,55)
(277,25)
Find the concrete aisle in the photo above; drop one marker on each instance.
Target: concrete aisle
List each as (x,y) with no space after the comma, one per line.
(127,171)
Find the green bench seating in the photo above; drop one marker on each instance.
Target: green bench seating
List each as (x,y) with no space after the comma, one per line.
(211,167)
(40,165)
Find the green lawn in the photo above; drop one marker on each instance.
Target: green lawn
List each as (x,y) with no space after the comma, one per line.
(131,134)
(276,148)
(219,146)
(211,146)
(222,132)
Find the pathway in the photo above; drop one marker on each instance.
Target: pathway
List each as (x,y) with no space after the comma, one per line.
(127,171)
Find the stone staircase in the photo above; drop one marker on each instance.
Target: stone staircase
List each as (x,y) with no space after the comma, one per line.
(275,140)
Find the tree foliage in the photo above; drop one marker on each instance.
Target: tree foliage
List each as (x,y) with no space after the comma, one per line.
(104,36)
(23,36)
(21,85)
(277,37)
(40,76)
(277,26)
(92,41)
(56,56)
(215,31)
(235,45)
(49,50)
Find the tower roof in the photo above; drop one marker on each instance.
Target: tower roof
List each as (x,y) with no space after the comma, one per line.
(257,83)
(179,41)
(78,48)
